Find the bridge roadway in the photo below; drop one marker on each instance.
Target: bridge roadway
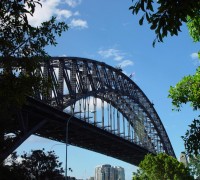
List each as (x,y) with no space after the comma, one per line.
(81,133)
(84,81)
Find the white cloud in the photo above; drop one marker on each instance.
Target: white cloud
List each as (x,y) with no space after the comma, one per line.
(63,14)
(78,23)
(9,160)
(116,55)
(44,13)
(64,55)
(195,59)
(73,3)
(89,100)
(111,53)
(125,63)
(77,13)
(118,58)
(194,55)
(52,8)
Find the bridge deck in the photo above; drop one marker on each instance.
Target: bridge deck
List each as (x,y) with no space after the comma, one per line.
(82,134)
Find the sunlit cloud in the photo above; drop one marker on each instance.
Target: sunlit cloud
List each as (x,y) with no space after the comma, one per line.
(43,13)
(73,3)
(9,160)
(117,55)
(55,8)
(77,13)
(125,63)
(195,59)
(111,53)
(64,55)
(63,14)
(90,102)
(194,55)
(79,24)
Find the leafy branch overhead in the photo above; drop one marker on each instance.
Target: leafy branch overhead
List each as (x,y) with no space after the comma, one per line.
(17,37)
(166,17)
(187,90)
(22,47)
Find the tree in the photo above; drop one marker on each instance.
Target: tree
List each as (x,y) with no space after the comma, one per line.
(194,27)
(194,165)
(37,165)
(192,138)
(188,91)
(22,48)
(161,166)
(166,17)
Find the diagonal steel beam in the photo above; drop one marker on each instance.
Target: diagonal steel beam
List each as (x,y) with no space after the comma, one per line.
(21,139)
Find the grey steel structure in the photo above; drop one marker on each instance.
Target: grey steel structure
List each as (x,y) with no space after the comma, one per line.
(123,124)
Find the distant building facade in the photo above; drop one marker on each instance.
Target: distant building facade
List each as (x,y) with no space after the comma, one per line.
(108,172)
(119,173)
(91,178)
(183,158)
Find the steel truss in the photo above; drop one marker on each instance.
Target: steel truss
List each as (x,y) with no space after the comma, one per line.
(119,106)
(80,78)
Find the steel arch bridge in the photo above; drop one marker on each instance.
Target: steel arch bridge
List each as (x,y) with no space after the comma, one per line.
(105,110)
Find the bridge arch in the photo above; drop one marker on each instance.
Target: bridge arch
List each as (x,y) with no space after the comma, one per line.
(77,78)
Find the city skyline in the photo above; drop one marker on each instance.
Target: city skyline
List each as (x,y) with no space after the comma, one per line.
(108,172)
(108,32)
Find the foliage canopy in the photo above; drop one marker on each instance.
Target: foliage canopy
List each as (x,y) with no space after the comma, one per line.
(188,91)
(166,17)
(22,47)
(35,165)
(194,27)
(194,165)
(192,138)
(161,166)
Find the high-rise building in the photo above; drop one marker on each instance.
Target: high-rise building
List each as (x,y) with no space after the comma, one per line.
(98,173)
(119,173)
(107,172)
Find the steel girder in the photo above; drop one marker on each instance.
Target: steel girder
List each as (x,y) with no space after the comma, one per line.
(25,127)
(82,133)
(75,78)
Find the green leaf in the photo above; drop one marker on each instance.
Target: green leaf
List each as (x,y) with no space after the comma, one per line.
(142,5)
(161,166)
(153,26)
(173,14)
(147,17)
(141,20)
(149,5)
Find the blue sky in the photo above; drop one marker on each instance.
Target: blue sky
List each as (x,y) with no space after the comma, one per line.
(107,31)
